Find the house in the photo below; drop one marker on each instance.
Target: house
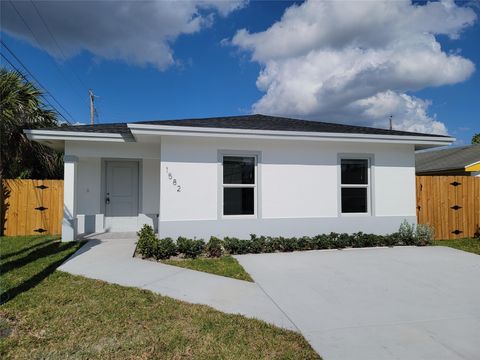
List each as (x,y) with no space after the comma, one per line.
(233,176)
(458,160)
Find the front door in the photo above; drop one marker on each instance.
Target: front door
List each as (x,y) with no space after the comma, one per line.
(121,195)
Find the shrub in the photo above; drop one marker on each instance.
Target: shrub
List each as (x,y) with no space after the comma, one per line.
(257,245)
(190,248)
(361,239)
(287,244)
(214,247)
(272,244)
(342,241)
(383,240)
(147,241)
(304,243)
(165,248)
(406,233)
(320,242)
(392,239)
(423,235)
(149,246)
(236,246)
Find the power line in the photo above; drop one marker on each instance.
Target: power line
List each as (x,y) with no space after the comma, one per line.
(34,78)
(56,42)
(39,44)
(42,95)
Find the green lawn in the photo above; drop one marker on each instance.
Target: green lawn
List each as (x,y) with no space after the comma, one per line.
(225,266)
(469,244)
(55,315)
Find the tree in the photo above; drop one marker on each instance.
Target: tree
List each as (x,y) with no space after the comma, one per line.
(476,139)
(22,108)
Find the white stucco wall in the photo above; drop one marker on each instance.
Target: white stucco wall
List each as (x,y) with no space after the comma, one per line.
(89,180)
(298,186)
(299,180)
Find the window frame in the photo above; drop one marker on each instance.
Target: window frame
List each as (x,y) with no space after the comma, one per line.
(368,186)
(233,153)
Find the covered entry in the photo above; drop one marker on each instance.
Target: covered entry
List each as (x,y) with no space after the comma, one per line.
(121,194)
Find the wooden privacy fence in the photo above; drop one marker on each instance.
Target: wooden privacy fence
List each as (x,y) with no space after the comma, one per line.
(33,207)
(450,204)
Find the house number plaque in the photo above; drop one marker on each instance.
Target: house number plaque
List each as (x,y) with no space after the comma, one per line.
(173,180)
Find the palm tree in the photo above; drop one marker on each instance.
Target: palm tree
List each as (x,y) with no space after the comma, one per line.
(21,107)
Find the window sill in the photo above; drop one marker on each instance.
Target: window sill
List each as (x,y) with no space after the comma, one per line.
(356,214)
(238,217)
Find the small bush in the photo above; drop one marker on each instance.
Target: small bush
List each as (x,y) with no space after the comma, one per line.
(257,245)
(476,235)
(320,242)
(424,235)
(406,233)
(392,239)
(341,240)
(147,241)
(271,244)
(214,247)
(304,243)
(190,248)
(165,248)
(361,239)
(236,246)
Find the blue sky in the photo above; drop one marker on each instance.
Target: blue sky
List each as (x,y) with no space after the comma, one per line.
(214,73)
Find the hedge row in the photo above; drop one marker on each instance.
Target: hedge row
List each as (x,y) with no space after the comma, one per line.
(149,246)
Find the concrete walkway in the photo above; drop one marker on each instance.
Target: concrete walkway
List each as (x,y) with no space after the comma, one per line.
(383,303)
(390,303)
(109,258)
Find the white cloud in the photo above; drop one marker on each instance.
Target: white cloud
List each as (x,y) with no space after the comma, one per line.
(355,61)
(139,32)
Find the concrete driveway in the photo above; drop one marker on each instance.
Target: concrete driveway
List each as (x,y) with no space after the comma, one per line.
(392,303)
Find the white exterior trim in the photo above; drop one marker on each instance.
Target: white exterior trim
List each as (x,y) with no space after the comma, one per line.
(39,134)
(147,129)
(472,164)
(256,185)
(369,186)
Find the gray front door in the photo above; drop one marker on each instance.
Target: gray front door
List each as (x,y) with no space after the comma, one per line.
(121,190)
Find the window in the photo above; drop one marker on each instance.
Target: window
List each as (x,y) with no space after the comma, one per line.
(239,185)
(354,185)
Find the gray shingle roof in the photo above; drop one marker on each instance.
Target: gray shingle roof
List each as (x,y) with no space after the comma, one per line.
(446,159)
(113,128)
(249,122)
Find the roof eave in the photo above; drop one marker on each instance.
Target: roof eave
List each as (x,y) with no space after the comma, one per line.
(148,129)
(48,137)
(473,167)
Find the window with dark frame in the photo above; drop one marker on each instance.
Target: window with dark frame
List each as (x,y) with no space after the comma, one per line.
(239,185)
(354,185)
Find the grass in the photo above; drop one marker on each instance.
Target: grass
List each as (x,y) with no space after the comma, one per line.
(468,244)
(55,315)
(224,266)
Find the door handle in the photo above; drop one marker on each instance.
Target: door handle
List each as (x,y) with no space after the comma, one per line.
(107,199)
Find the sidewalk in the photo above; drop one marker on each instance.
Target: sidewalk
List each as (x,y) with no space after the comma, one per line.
(111,260)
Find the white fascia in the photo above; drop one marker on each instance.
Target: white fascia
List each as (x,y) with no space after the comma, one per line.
(39,135)
(148,129)
(474,163)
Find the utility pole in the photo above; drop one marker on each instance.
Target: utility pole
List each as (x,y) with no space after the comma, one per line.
(391,122)
(92,106)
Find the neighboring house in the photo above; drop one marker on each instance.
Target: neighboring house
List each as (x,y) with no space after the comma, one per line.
(233,176)
(457,160)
